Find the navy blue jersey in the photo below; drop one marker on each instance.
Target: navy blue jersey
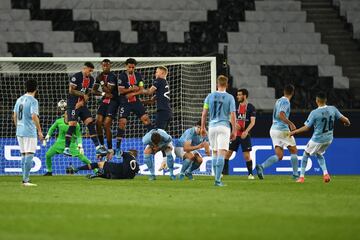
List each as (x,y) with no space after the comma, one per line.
(109,79)
(127,81)
(162,94)
(83,84)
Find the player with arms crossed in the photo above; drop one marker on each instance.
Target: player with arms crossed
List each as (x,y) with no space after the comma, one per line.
(107,80)
(127,169)
(246,116)
(76,148)
(279,133)
(79,92)
(322,119)
(186,149)
(131,85)
(221,107)
(26,120)
(161,89)
(158,140)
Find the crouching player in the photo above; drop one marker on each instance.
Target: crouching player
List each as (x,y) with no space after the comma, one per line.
(186,149)
(127,169)
(322,119)
(76,149)
(158,140)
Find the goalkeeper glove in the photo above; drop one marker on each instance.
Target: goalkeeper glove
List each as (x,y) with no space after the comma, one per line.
(46,140)
(81,149)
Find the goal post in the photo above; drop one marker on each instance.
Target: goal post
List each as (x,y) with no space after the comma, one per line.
(190,80)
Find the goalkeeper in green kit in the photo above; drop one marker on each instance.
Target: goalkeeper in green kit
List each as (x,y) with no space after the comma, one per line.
(76,148)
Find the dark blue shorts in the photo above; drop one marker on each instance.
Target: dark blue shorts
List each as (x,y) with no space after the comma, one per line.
(108,110)
(163,118)
(135,107)
(245,144)
(74,114)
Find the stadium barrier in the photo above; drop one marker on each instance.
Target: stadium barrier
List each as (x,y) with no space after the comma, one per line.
(341,158)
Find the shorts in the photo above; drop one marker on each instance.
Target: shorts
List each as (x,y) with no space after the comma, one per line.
(281,138)
(74,114)
(245,144)
(112,170)
(27,144)
(314,148)
(163,118)
(179,152)
(219,138)
(108,110)
(135,107)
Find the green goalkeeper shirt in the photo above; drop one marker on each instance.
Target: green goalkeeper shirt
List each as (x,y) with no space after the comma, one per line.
(63,128)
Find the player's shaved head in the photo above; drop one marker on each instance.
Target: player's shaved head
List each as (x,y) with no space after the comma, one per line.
(31,85)
(222,81)
(155,138)
(321,97)
(133,152)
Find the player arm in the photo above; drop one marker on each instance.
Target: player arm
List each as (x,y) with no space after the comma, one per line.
(300,130)
(189,148)
(78,135)
(36,120)
(74,92)
(150,101)
(52,128)
(233,122)
(345,121)
(203,120)
(15,118)
(283,118)
(124,91)
(251,124)
(149,91)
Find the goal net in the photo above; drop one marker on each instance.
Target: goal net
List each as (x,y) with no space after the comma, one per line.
(190,80)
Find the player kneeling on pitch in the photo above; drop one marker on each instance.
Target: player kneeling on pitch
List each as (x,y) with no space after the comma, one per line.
(76,149)
(322,119)
(127,169)
(158,140)
(186,149)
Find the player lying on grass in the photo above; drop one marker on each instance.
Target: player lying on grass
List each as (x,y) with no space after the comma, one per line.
(76,149)
(158,140)
(127,169)
(186,149)
(322,119)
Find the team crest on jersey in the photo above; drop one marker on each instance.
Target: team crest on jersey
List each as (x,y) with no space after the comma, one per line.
(73,79)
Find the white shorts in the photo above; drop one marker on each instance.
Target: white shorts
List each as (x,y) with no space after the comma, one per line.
(281,138)
(314,148)
(179,152)
(219,138)
(27,144)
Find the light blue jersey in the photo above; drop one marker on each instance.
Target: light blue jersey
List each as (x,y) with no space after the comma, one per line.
(24,108)
(220,105)
(190,135)
(165,138)
(323,119)
(281,105)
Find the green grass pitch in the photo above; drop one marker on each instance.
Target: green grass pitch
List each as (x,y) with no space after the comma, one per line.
(73,207)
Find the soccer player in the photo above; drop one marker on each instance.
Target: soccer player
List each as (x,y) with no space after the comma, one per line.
(221,107)
(127,169)
(161,89)
(76,148)
(279,133)
(26,120)
(158,140)
(186,149)
(109,103)
(79,92)
(131,85)
(322,119)
(246,116)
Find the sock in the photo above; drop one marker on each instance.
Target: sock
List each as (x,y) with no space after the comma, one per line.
(170,162)
(303,164)
(194,165)
(69,134)
(219,166)
(249,166)
(27,167)
(226,167)
(48,163)
(186,164)
(213,164)
(148,127)
(101,139)
(321,161)
(149,163)
(295,164)
(93,134)
(270,161)
(119,136)
(22,164)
